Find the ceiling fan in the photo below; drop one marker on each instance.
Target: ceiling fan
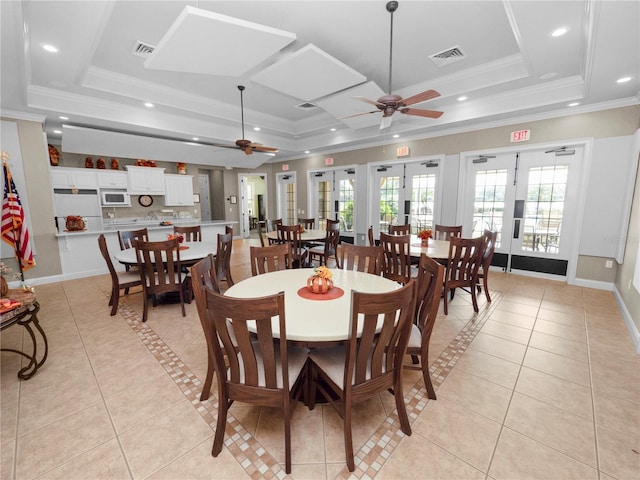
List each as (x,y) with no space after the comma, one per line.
(247,146)
(389,104)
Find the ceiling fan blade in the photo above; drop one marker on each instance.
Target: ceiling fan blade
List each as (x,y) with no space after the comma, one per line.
(359,114)
(371,102)
(223,145)
(422,113)
(248,151)
(386,122)
(421,97)
(262,148)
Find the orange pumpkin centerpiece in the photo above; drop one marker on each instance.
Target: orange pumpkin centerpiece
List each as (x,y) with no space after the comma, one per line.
(320,281)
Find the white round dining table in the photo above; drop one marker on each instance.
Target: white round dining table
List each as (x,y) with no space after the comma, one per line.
(312,322)
(436,249)
(306,236)
(195,251)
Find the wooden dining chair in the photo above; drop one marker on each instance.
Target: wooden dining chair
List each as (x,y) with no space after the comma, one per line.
(190,234)
(291,234)
(270,258)
(445,232)
(119,280)
(465,257)
(203,278)
(429,286)
(489,249)
(397,257)
(126,238)
(372,241)
(258,370)
(161,271)
(307,223)
(261,225)
(363,258)
(228,229)
(223,258)
(400,229)
(329,248)
(272,226)
(371,361)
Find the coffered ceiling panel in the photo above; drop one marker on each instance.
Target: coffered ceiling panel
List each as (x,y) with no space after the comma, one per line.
(200,41)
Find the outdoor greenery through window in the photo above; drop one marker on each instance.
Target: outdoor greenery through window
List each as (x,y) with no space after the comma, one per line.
(291,203)
(345,205)
(546,190)
(422,202)
(389,198)
(488,205)
(324,203)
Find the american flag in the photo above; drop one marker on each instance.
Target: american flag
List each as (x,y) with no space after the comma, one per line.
(13,221)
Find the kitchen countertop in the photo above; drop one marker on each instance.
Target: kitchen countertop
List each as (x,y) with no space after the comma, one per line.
(149,224)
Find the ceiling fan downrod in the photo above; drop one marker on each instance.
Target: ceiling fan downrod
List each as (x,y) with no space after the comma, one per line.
(241,88)
(391,7)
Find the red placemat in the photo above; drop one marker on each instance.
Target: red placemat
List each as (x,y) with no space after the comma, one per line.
(335,292)
(184,247)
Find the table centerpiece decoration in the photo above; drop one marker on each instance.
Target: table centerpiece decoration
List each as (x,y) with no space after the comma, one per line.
(320,281)
(424,236)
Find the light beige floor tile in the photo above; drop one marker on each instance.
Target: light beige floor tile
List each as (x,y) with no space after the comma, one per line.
(7,450)
(561,317)
(617,414)
(562,367)
(463,433)
(104,461)
(489,367)
(62,440)
(199,464)
(137,404)
(476,394)
(577,333)
(555,391)
(506,331)
(555,428)
(511,318)
(417,457)
(618,453)
(561,346)
(517,297)
(153,444)
(311,471)
(518,308)
(519,457)
(124,373)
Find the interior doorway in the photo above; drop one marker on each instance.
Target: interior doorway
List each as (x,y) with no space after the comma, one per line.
(253,202)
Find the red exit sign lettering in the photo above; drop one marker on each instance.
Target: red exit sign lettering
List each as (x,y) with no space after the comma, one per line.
(402,151)
(520,136)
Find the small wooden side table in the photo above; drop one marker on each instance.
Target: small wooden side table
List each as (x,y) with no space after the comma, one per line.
(26,315)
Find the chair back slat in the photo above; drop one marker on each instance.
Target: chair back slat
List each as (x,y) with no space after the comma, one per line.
(400,229)
(362,258)
(270,258)
(446,232)
(190,234)
(397,257)
(223,257)
(290,234)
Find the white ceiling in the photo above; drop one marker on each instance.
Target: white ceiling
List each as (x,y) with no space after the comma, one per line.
(288,53)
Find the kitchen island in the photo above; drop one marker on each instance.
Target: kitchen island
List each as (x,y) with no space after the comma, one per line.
(80,256)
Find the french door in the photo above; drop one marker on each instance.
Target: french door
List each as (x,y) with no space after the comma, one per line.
(531,199)
(405,193)
(286,195)
(332,195)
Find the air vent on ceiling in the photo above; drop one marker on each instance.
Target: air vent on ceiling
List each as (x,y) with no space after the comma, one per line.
(306,105)
(448,56)
(142,49)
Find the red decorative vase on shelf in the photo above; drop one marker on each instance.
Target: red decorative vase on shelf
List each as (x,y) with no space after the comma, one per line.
(317,284)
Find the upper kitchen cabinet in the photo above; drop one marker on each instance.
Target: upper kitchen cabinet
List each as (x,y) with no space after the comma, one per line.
(178,190)
(62,177)
(146,180)
(112,179)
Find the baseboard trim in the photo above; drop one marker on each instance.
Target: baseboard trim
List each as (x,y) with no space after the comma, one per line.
(626,316)
(597,284)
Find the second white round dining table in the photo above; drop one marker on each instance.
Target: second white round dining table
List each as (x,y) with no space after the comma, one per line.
(309,321)
(195,251)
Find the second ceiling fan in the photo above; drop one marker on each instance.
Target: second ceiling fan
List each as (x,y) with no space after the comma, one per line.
(389,104)
(247,146)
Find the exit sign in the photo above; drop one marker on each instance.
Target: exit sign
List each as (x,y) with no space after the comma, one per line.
(328,161)
(402,151)
(520,136)
(285,167)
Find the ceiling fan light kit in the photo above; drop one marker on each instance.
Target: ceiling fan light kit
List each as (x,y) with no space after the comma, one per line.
(390,103)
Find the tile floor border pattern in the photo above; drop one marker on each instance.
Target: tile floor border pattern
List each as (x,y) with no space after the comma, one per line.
(248,452)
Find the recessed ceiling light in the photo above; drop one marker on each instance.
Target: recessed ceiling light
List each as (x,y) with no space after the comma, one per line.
(57,131)
(396,136)
(548,75)
(573,104)
(462,98)
(257,129)
(333,129)
(306,151)
(148,104)
(623,80)
(50,48)
(63,118)
(558,32)
(195,139)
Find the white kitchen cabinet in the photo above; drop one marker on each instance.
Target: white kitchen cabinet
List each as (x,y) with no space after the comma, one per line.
(112,179)
(178,190)
(62,177)
(146,180)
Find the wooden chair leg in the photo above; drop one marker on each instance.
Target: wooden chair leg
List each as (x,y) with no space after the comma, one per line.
(145,309)
(287,437)
(486,288)
(223,406)
(348,440)
(400,406)
(206,389)
(113,301)
(431,393)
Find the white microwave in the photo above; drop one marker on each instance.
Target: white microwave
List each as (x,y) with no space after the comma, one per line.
(115,198)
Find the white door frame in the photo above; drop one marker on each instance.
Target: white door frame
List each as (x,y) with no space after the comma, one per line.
(243,214)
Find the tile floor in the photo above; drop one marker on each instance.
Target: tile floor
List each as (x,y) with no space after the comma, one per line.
(542,383)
